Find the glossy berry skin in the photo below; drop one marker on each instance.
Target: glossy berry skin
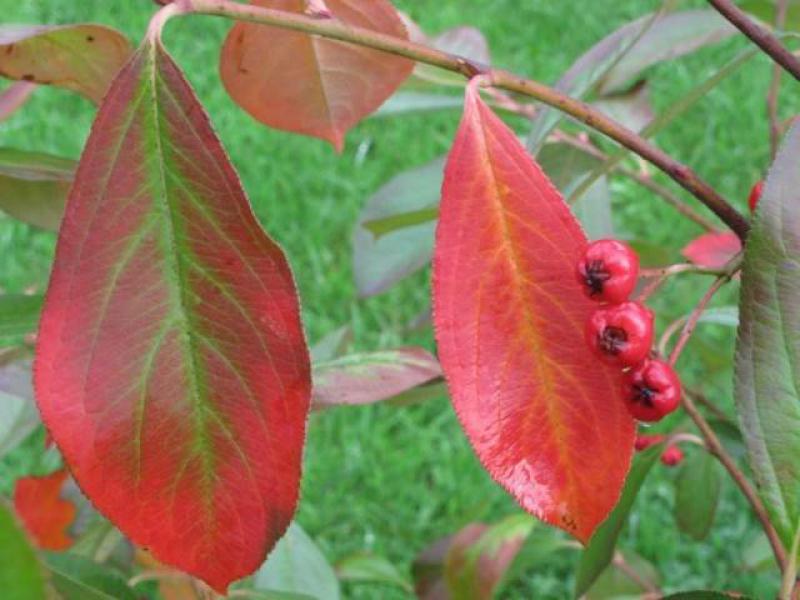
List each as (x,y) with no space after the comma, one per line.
(643,442)
(652,390)
(755,195)
(608,271)
(672,456)
(621,335)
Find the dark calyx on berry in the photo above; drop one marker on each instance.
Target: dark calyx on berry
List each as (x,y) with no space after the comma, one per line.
(608,271)
(621,334)
(652,390)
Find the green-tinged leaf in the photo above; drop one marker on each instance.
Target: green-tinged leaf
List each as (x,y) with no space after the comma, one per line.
(380,263)
(697,492)
(600,551)
(652,255)
(297,566)
(99,541)
(18,414)
(83,58)
(671,36)
(407,101)
(365,567)
(542,545)
(632,107)
(730,436)
(687,101)
(19,314)
(471,564)
(34,186)
(420,394)
(467,42)
(333,345)
(79,578)
(380,227)
(367,378)
(766,10)
(587,71)
(171,364)
(727,316)
(767,365)
(615,583)
(21,576)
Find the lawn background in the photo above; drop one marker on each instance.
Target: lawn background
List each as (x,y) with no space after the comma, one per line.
(389,480)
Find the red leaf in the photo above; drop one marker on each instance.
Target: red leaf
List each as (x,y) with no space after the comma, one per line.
(306,84)
(171,368)
(45,514)
(713,250)
(544,416)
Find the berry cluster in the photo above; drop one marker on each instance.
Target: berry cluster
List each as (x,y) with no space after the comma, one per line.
(621,331)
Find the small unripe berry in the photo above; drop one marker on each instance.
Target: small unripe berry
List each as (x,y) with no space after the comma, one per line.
(652,390)
(755,195)
(607,271)
(622,334)
(672,456)
(643,442)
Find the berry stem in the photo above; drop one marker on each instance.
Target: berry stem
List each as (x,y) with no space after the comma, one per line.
(759,35)
(505,80)
(716,449)
(660,276)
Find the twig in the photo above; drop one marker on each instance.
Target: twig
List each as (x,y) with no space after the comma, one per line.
(712,408)
(642,179)
(716,449)
(333,29)
(775,85)
(659,276)
(729,271)
(759,35)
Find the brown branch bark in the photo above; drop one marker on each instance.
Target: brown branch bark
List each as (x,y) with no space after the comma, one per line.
(759,35)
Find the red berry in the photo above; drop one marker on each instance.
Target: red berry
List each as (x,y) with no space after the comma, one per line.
(755,195)
(643,442)
(672,456)
(621,334)
(607,271)
(652,390)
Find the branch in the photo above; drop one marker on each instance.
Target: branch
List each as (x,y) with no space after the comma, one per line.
(759,35)
(715,448)
(333,29)
(642,179)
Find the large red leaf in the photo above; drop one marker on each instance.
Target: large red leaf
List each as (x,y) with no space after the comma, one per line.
(310,85)
(171,367)
(45,514)
(544,416)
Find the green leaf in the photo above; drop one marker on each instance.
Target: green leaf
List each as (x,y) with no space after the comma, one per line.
(34,186)
(767,365)
(600,551)
(380,263)
(21,576)
(78,578)
(19,314)
(380,227)
(365,567)
(406,101)
(540,547)
(297,566)
(697,492)
(615,583)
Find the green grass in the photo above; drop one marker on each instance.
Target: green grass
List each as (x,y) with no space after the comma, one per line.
(391,480)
